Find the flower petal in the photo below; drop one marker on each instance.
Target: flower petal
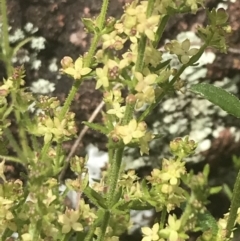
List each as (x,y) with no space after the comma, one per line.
(77,227)
(85,71)
(186,44)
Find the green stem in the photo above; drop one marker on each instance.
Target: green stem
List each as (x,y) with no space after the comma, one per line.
(235,204)
(44,150)
(21,44)
(163,218)
(90,233)
(103,14)
(105,221)
(58,154)
(187,211)
(21,129)
(100,24)
(88,59)
(114,175)
(112,184)
(69,99)
(14,144)
(143,42)
(128,112)
(24,141)
(160,30)
(5,42)
(35,143)
(141,50)
(10,158)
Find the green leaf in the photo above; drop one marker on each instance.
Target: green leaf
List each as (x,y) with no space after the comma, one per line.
(136,205)
(95,198)
(118,195)
(160,65)
(225,100)
(89,24)
(96,127)
(206,222)
(145,188)
(215,190)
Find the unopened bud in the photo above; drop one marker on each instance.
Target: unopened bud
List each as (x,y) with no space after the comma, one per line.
(131,99)
(142,126)
(66,62)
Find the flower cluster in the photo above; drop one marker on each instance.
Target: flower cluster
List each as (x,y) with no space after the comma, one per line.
(135,22)
(182,147)
(167,182)
(49,122)
(145,89)
(54,128)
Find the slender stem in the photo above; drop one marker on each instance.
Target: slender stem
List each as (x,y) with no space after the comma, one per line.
(112,184)
(235,204)
(10,158)
(187,211)
(103,14)
(24,141)
(105,221)
(5,44)
(69,99)
(35,143)
(88,59)
(141,50)
(163,218)
(90,233)
(58,154)
(100,24)
(44,150)
(128,113)
(160,30)
(14,144)
(143,42)
(21,44)
(114,175)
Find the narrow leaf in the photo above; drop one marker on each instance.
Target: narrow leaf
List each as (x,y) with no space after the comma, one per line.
(96,127)
(95,197)
(225,100)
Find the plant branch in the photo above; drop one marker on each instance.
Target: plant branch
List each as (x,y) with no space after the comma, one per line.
(235,204)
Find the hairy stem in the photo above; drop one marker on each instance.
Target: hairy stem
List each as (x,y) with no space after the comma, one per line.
(235,204)
(5,38)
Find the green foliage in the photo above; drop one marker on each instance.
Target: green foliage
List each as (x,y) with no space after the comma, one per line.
(36,209)
(219,97)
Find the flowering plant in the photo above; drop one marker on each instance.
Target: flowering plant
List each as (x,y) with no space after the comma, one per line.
(35,209)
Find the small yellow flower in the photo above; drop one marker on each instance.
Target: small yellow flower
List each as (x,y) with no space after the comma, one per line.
(172,231)
(70,221)
(182,50)
(75,70)
(102,77)
(148,26)
(130,131)
(50,198)
(151,234)
(117,110)
(144,148)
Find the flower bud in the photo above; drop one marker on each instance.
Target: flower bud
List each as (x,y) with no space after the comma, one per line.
(66,62)
(131,99)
